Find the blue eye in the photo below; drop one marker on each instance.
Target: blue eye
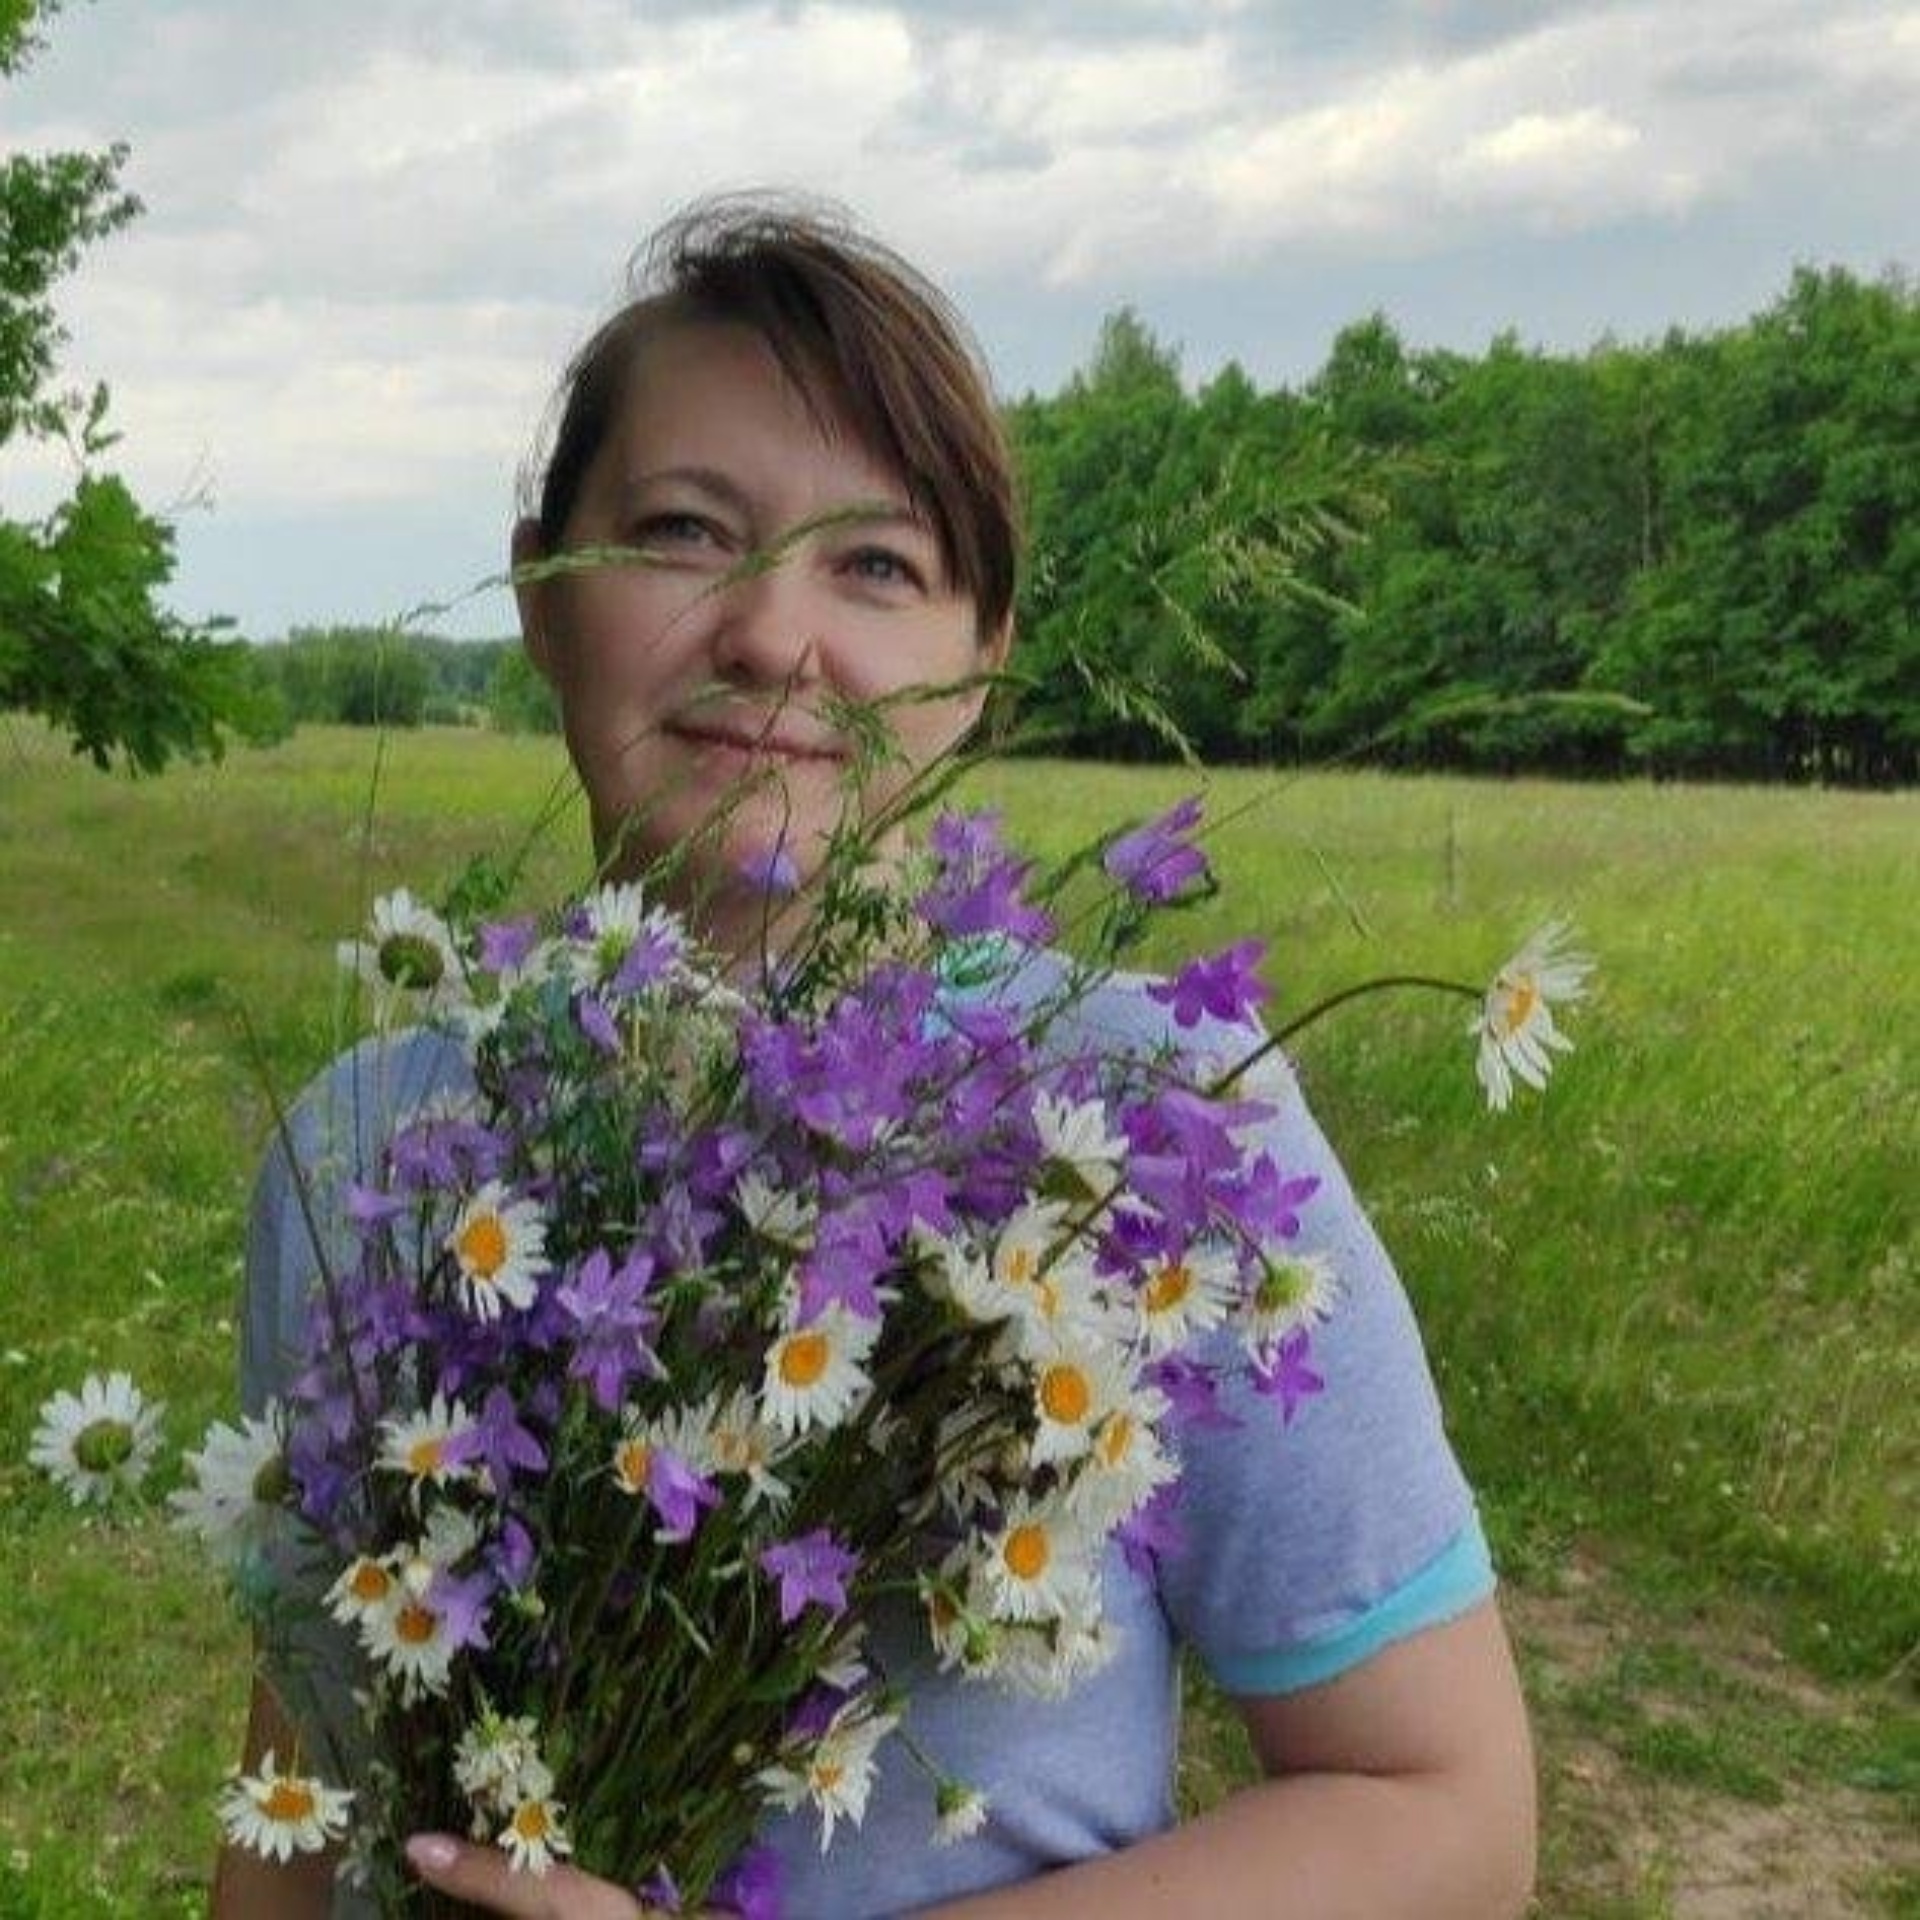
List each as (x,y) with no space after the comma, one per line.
(884,567)
(673,529)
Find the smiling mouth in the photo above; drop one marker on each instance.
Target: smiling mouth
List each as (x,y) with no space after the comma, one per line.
(755,745)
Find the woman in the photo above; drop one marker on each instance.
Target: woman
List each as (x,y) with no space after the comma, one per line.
(788,389)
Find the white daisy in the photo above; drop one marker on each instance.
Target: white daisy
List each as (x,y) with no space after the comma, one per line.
(239,1486)
(961,1637)
(1025,1243)
(1049,1281)
(277,1814)
(450,1536)
(1048,1662)
(496,1761)
(1515,1026)
(1178,1298)
(534,1836)
(1075,1385)
(416,1445)
(784,1217)
(835,1772)
(365,1586)
(1074,1138)
(408,1635)
(954,1269)
(814,1376)
(737,1441)
(500,1248)
(1294,1290)
(410,951)
(1038,1564)
(960,1810)
(613,918)
(615,913)
(99,1442)
(1125,1461)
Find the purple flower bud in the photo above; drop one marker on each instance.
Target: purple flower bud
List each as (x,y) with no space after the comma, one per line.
(1153,862)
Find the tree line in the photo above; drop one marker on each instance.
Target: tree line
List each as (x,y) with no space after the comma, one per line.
(1695,557)
(358,676)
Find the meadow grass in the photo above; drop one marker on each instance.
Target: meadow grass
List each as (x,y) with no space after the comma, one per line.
(1670,1305)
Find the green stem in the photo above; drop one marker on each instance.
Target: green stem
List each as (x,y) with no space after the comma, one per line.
(1275,1041)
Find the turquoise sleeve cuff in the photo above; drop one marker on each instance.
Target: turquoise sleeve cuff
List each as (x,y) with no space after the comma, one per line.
(1459,1577)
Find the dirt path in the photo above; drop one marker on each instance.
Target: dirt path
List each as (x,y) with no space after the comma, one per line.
(1691,1773)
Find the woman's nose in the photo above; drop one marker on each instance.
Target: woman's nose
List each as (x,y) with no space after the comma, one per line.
(767,626)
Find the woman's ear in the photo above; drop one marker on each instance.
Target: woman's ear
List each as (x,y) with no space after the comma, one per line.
(995,647)
(532,597)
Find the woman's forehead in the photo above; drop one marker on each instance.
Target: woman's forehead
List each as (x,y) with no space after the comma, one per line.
(699,384)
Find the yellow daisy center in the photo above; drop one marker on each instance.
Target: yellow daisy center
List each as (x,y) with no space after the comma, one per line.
(631,1459)
(415,1624)
(530,1820)
(1522,997)
(803,1358)
(289,1801)
(1065,1395)
(483,1245)
(1026,1552)
(427,1455)
(1168,1288)
(1022,1266)
(369,1582)
(1116,1439)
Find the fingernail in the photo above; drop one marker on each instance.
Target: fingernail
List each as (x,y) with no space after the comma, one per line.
(433,1851)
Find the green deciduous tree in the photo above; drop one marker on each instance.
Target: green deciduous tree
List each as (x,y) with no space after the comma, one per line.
(1697,556)
(84,639)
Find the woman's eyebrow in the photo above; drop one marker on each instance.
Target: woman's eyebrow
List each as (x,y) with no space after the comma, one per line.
(861,511)
(707,480)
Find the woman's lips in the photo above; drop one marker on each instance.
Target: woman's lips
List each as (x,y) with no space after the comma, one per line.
(754,745)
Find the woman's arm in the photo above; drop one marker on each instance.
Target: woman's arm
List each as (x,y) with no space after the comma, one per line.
(246,1887)
(1404,1787)
(1401,1790)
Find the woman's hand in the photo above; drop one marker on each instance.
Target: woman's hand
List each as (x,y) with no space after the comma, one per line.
(487,1878)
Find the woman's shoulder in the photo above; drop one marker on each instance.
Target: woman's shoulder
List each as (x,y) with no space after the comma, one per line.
(1124,1011)
(324,1141)
(353,1102)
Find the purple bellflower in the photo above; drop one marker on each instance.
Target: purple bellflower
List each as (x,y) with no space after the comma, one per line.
(498,1440)
(1155,863)
(1285,1376)
(813,1570)
(613,1323)
(752,1887)
(1222,984)
(978,887)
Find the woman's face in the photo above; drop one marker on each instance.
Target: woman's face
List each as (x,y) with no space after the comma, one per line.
(683,691)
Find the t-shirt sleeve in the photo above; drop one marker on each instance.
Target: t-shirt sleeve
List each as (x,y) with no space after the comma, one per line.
(1309,1545)
(297,1225)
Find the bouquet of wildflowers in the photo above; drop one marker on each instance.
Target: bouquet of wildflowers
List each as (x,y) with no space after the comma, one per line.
(689,1327)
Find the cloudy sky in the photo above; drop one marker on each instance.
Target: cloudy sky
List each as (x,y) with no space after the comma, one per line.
(375,227)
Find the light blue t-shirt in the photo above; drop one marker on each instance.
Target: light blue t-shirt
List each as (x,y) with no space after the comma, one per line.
(1306,1547)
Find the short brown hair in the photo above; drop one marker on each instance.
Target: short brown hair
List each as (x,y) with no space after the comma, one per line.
(858,331)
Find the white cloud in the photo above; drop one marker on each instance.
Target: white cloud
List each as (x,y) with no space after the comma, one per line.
(374,231)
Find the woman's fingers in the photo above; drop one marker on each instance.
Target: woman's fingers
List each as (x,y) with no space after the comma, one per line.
(485,1876)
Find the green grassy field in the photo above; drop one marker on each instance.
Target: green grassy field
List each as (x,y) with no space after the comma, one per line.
(1671,1305)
